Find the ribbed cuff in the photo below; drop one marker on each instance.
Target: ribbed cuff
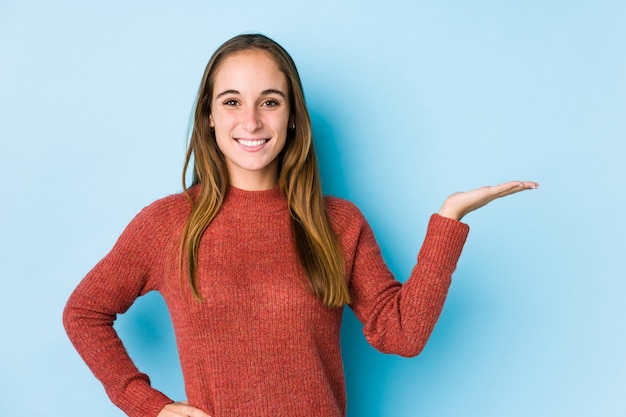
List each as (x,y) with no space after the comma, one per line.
(444,241)
(141,400)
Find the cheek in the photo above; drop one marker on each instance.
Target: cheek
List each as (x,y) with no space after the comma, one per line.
(282,133)
(222,134)
(223,127)
(282,124)
(222,140)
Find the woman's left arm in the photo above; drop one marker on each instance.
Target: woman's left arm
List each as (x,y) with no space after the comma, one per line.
(399,318)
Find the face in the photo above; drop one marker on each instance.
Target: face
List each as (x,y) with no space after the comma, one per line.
(250,115)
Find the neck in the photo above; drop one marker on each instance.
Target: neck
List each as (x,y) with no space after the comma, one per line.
(254,180)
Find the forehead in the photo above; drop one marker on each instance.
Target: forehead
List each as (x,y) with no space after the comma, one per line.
(253,69)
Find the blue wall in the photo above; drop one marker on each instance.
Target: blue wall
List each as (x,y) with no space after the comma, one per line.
(411,100)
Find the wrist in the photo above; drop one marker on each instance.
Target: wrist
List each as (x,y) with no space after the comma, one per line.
(450,213)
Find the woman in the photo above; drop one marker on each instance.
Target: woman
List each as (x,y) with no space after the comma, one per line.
(255,265)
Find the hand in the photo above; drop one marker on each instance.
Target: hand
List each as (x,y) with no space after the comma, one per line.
(181,409)
(459,204)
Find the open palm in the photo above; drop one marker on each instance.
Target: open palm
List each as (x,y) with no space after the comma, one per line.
(459,204)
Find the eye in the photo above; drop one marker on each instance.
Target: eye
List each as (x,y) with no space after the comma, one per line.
(270,103)
(230,102)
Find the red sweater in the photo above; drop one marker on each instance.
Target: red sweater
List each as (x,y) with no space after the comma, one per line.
(260,344)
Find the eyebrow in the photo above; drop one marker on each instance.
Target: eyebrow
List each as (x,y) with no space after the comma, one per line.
(264,92)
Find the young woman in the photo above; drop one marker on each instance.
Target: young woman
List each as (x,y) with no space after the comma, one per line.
(255,265)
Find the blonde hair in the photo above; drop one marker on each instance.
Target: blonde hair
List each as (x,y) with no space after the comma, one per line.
(318,247)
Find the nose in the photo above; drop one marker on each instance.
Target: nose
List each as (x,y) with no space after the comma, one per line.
(251,120)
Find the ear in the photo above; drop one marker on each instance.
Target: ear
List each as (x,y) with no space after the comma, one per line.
(211,123)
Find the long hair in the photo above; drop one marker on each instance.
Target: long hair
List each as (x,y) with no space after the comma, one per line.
(318,247)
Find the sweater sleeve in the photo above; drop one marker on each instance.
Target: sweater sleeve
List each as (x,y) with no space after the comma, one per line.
(399,318)
(108,289)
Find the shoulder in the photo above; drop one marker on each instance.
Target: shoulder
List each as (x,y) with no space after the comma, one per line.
(152,231)
(169,204)
(343,215)
(165,212)
(340,206)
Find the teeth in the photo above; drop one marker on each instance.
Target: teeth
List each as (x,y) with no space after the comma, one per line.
(252,143)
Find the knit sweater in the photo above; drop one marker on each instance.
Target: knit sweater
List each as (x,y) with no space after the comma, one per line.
(260,344)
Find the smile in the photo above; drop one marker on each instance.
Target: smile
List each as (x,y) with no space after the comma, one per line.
(252,143)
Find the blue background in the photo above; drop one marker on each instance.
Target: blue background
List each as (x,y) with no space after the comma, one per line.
(411,101)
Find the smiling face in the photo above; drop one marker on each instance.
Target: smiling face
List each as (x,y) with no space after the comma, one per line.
(250,114)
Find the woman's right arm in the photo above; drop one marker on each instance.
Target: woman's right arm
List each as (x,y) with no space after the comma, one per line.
(109,289)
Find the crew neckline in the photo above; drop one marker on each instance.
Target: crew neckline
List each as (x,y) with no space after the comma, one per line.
(271,199)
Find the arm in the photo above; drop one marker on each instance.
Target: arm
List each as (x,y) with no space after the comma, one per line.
(107,290)
(400,318)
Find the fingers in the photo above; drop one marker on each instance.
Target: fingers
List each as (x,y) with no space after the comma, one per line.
(458,205)
(181,409)
(512,187)
(526,185)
